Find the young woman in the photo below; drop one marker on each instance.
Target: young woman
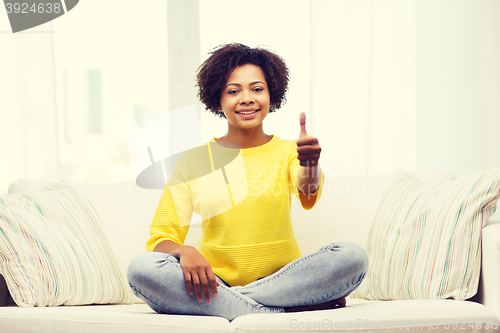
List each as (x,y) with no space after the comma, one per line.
(248,259)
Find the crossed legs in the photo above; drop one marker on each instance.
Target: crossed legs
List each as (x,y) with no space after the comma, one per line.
(316,281)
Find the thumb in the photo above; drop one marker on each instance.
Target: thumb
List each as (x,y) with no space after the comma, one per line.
(303,131)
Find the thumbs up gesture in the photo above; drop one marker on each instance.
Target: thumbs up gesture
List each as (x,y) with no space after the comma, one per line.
(308,148)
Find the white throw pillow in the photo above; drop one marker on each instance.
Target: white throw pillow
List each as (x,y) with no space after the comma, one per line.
(53,250)
(425,241)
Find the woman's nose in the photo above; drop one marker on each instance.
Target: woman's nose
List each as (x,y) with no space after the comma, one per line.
(246,98)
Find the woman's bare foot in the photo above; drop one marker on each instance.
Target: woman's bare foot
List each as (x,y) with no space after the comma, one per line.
(336,303)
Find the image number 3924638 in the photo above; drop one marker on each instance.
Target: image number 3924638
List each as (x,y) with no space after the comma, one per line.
(26,14)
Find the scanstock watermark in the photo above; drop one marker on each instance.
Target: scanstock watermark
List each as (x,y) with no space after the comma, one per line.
(365,324)
(26,14)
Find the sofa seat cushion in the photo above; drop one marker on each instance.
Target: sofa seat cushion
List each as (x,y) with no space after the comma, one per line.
(359,315)
(136,318)
(370,316)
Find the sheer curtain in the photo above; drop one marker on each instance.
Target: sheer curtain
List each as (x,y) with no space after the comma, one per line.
(407,84)
(457,46)
(73,89)
(386,85)
(28,111)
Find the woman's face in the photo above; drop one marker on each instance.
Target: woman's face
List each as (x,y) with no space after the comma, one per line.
(245,99)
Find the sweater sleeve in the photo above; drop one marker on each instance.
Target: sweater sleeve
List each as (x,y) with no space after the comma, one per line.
(174,212)
(307,201)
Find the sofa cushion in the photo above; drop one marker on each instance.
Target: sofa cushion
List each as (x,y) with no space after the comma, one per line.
(427,316)
(53,250)
(137,318)
(425,240)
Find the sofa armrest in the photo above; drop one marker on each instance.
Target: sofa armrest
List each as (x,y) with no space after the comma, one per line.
(490,268)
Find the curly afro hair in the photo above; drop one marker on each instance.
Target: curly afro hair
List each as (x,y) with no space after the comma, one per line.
(215,71)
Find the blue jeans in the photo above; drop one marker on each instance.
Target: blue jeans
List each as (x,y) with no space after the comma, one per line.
(332,272)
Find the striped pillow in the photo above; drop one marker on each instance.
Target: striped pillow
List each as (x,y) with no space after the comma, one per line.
(53,250)
(425,241)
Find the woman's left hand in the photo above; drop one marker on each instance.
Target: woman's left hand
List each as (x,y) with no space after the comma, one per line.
(308,148)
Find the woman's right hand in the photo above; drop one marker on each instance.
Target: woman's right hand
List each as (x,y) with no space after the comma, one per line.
(196,268)
(197,273)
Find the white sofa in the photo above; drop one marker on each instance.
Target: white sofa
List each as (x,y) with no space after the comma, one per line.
(344,213)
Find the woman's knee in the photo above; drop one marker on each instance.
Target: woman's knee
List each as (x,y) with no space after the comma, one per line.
(355,256)
(147,264)
(137,267)
(359,257)
(155,277)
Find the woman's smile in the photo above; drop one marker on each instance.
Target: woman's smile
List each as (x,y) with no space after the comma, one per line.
(247,113)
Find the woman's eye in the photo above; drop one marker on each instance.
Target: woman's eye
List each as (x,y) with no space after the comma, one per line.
(231,92)
(258,89)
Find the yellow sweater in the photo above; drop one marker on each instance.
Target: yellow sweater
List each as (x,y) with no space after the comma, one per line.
(244,198)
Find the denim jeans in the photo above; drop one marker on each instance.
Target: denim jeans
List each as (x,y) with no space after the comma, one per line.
(332,272)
